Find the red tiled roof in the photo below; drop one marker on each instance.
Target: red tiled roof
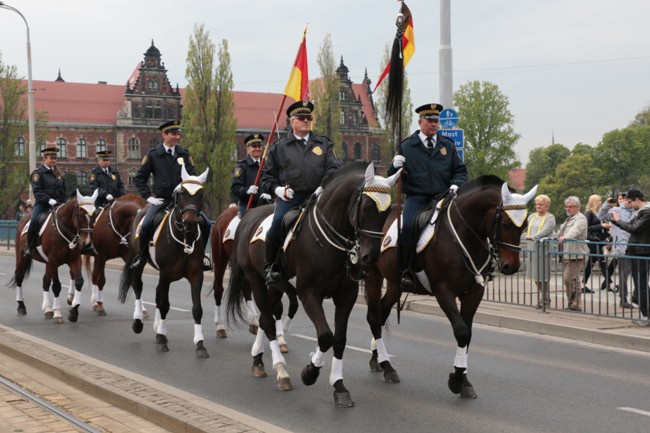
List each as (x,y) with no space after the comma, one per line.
(258,110)
(361,90)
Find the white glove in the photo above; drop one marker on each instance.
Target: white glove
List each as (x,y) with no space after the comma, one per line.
(318,191)
(398,161)
(51,202)
(452,189)
(265,196)
(285,194)
(252,190)
(155,201)
(109,197)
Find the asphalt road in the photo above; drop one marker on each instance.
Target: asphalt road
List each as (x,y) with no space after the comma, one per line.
(525,382)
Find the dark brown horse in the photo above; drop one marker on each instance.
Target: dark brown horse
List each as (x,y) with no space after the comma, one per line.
(222,243)
(340,234)
(177,253)
(64,237)
(111,240)
(477,231)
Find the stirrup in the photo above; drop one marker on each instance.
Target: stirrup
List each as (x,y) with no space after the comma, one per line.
(27,252)
(139,262)
(207,263)
(407,281)
(271,275)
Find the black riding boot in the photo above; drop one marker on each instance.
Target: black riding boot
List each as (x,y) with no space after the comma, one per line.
(141,259)
(271,273)
(31,243)
(407,278)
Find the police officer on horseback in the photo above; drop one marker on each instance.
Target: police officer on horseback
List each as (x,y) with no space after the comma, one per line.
(432,167)
(244,174)
(294,169)
(48,186)
(105,179)
(164,162)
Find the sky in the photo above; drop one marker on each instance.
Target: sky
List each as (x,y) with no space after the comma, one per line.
(571,69)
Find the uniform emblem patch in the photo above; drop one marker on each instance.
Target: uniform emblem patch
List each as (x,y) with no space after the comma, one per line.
(36,177)
(180,160)
(443,151)
(113,177)
(92,177)
(237,172)
(145,159)
(317,151)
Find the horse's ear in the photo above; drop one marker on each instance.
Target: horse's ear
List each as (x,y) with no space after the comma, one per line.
(184,174)
(370,173)
(79,196)
(204,176)
(505,193)
(94,196)
(530,194)
(393,179)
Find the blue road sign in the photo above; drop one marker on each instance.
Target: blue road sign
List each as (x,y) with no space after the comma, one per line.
(448,118)
(461,153)
(455,134)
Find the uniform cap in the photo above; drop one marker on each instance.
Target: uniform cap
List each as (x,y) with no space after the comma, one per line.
(50,151)
(300,107)
(253,138)
(429,111)
(172,125)
(104,154)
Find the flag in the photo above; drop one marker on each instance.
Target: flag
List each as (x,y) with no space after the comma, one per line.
(406,35)
(298,85)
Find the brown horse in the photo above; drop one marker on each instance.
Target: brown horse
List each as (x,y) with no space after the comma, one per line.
(477,230)
(339,235)
(111,240)
(177,253)
(65,235)
(222,243)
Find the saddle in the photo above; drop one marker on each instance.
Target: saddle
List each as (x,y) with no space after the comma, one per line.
(40,226)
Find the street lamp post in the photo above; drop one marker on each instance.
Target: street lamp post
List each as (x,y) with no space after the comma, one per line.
(30,98)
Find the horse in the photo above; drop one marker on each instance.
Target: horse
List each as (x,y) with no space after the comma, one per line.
(475,231)
(111,240)
(222,247)
(65,235)
(177,253)
(337,235)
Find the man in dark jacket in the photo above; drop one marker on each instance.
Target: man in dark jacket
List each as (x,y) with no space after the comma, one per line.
(105,179)
(244,174)
(432,167)
(49,191)
(164,162)
(294,169)
(638,246)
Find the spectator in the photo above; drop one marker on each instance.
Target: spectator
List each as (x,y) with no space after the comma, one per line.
(571,244)
(619,244)
(540,225)
(21,211)
(596,236)
(638,246)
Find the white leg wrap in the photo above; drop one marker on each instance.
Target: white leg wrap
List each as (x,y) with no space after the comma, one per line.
(198,333)
(71,288)
(19,293)
(162,327)
(258,345)
(317,357)
(94,297)
(373,344)
(382,353)
(47,300)
(100,296)
(137,310)
(337,370)
(276,354)
(156,320)
(278,328)
(286,324)
(56,304)
(77,298)
(218,315)
(461,358)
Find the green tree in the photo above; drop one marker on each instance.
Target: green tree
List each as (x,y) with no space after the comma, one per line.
(393,138)
(209,115)
(14,175)
(642,118)
(542,162)
(488,124)
(326,96)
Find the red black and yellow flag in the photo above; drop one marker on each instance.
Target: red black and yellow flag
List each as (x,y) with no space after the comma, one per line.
(298,85)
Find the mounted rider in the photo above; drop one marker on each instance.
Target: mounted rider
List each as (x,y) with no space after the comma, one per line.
(48,185)
(105,179)
(244,174)
(432,167)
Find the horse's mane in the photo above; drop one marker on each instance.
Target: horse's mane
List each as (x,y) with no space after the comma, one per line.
(481,182)
(353,168)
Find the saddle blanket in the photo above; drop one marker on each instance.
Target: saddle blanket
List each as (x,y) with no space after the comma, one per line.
(390,238)
(260,233)
(229,234)
(40,232)
(156,234)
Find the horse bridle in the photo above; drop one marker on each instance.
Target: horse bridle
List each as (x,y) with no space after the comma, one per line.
(181,224)
(68,235)
(339,241)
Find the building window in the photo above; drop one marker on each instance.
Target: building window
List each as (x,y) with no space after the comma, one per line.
(344,151)
(101,145)
(62,145)
(357,150)
(82,148)
(154,142)
(342,118)
(132,174)
(134,148)
(376,154)
(342,95)
(82,178)
(153,85)
(20,146)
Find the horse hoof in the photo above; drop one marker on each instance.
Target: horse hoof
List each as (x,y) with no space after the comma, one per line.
(284,348)
(73,315)
(284,384)
(462,387)
(70,298)
(201,351)
(221,333)
(137,326)
(99,309)
(95,306)
(161,343)
(309,374)
(468,392)
(342,399)
(58,320)
(253,329)
(258,371)
(391,377)
(374,365)
(48,314)
(22,310)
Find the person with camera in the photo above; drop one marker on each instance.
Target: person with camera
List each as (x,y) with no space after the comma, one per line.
(597,235)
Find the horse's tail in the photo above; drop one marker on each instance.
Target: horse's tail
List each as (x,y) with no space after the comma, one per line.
(125,281)
(27,263)
(234,312)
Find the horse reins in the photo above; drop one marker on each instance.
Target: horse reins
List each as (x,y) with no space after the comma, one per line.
(187,249)
(123,239)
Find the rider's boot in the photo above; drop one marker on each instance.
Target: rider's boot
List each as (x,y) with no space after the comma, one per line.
(31,242)
(141,259)
(407,278)
(271,273)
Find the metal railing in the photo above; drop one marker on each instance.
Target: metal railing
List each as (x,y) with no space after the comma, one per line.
(8,233)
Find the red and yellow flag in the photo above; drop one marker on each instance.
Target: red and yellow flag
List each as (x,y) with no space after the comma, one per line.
(407,36)
(298,85)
